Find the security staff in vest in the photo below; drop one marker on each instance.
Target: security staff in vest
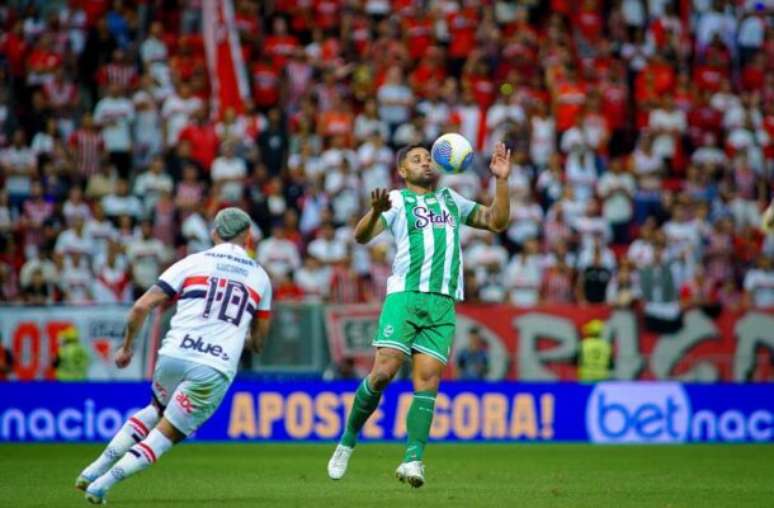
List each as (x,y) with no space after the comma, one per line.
(72,360)
(595,353)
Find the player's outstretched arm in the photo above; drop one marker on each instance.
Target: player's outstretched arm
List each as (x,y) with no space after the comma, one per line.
(139,311)
(495,217)
(370,225)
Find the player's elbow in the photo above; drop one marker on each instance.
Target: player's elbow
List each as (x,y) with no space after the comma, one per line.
(498,227)
(361,238)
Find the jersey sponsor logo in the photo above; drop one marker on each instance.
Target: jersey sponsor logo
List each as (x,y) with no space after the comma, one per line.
(425,217)
(206,348)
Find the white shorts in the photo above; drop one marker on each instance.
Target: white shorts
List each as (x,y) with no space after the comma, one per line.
(189,392)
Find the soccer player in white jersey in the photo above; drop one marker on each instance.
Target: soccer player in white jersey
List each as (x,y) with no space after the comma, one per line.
(224,301)
(418,319)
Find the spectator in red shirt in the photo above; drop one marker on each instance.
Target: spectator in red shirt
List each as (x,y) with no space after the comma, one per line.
(660,73)
(326,13)
(710,76)
(569,98)
(703,119)
(200,132)
(428,74)
(477,78)
(418,33)
(754,73)
(462,26)
(337,121)
(120,71)
(14,47)
(42,62)
(614,96)
(588,21)
(280,45)
(266,83)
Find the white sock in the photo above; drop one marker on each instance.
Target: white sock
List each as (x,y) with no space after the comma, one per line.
(134,430)
(138,458)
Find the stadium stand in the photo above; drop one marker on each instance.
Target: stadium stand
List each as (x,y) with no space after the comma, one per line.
(642,133)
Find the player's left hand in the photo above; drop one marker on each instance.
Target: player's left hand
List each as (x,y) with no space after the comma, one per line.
(501,161)
(123,357)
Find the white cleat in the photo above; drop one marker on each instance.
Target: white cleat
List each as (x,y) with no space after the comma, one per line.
(337,466)
(95,496)
(412,473)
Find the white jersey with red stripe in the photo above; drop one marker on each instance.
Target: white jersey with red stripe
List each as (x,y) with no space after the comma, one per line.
(219,291)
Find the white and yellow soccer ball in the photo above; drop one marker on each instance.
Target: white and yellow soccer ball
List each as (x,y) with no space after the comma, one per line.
(452,153)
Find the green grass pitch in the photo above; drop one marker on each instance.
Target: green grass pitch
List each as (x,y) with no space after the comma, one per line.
(469,475)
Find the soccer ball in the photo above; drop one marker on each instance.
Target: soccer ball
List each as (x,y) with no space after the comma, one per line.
(452,153)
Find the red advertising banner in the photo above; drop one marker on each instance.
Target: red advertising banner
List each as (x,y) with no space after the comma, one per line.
(542,343)
(33,334)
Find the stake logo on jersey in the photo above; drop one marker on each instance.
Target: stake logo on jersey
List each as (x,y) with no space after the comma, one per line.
(426,231)
(219,293)
(426,217)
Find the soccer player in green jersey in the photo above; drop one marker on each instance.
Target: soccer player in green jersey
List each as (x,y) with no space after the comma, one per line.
(418,318)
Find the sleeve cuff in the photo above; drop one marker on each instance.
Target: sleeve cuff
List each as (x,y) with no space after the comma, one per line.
(169,290)
(263,314)
(472,213)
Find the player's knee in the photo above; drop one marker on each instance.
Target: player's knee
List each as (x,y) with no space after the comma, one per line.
(380,378)
(427,380)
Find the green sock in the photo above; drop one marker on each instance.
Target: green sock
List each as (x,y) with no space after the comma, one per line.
(366,401)
(418,422)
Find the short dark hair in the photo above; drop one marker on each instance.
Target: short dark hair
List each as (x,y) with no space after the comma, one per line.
(403,153)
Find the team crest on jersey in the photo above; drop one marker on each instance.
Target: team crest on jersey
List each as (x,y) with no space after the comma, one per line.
(426,217)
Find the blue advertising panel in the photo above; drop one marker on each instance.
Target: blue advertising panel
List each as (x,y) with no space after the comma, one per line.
(613,412)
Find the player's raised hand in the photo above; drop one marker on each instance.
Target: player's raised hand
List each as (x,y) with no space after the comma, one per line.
(501,161)
(380,200)
(768,219)
(123,357)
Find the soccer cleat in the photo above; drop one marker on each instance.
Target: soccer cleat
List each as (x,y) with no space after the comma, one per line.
(412,473)
(337,466)
(95,496)
(82,482)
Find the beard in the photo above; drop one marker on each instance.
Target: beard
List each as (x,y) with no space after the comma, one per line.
(424,179)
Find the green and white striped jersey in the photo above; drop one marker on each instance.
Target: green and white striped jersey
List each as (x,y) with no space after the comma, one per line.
(426,228)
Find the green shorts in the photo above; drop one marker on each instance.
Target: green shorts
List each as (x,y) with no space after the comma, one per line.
(421,322)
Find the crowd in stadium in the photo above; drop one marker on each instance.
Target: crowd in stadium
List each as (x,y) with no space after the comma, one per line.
(642,136)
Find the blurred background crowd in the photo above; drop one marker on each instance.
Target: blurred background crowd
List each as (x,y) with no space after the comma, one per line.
(642,134)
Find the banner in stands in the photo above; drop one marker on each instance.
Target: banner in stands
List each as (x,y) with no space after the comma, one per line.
(542,343)
(612,412)
(33,336)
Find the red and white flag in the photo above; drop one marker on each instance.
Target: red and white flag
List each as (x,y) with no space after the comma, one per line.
(228,77)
